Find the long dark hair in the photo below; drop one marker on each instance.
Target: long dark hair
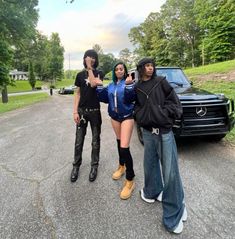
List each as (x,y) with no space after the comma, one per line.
(92,53)
(114,77)
(141,69)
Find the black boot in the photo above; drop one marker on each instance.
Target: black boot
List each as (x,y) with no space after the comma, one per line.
(93,174)
(125,153)
(74,174)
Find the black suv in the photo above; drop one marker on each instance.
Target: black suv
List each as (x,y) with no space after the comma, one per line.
(204,113)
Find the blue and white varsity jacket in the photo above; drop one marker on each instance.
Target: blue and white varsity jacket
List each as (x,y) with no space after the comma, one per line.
(113,95)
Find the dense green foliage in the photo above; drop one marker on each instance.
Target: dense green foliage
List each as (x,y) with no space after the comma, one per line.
(55,58)
(21,45)
(187,33)
(18,23)
(107,61)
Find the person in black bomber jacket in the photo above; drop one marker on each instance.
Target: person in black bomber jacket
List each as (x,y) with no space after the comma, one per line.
(156,108)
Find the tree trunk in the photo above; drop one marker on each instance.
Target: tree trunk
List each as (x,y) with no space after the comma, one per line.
(203,54)
(4,95)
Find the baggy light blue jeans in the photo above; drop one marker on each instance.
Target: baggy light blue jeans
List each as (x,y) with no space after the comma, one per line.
(161,173)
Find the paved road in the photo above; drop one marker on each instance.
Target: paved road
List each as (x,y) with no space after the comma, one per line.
(37,199)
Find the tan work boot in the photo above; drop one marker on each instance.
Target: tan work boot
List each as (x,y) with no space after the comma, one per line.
(127,189)
(119,172)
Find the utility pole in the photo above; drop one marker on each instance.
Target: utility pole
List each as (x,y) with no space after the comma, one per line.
(69,66)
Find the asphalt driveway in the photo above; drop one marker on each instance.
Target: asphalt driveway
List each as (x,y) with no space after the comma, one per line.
(37,199)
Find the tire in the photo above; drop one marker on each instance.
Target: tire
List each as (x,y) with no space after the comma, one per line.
(215,138)
(140,134)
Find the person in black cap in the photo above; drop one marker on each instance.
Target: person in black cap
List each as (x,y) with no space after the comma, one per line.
(156,108)
(87,109)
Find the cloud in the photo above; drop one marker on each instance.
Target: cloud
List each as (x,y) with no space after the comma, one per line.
(107,26)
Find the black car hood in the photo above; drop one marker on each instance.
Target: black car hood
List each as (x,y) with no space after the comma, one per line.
(193,93)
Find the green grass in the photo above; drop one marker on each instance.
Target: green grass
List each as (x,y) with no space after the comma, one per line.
(64,82)
(15,102)
(222,67)
(22,85)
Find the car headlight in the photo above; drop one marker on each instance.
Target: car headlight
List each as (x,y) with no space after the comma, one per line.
(221,96)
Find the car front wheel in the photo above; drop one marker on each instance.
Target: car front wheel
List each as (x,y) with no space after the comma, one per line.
(215,138)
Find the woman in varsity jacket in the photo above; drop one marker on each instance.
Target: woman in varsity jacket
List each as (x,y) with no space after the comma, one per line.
(122,122)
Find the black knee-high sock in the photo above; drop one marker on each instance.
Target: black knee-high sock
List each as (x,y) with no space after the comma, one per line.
(126,155)
(121,161)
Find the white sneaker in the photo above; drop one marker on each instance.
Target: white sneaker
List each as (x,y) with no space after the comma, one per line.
(159,198)
(179,228)
(148,200)
(185,215)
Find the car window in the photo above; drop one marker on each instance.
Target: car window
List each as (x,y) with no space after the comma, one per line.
(174,76)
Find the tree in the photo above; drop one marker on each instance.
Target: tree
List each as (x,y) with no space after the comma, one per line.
(55,58)
(32,78)
(107,61)
(98,49)
(18,24)
(184,28)
(150,39)
(126,56)
(181,31)
(40,61)
(217,22)
(5,62)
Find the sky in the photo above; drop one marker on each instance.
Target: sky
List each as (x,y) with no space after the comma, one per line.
(83,24)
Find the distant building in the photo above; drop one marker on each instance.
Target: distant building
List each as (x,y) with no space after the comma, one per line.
(18,75)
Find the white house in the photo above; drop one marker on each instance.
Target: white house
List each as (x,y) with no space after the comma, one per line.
(18,75)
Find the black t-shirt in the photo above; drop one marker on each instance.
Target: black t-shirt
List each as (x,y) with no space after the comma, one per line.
(88,97)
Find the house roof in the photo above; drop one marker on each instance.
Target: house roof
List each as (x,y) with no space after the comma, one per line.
(16,72)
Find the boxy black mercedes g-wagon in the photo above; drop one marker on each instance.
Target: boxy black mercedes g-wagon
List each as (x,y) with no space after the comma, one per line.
(204,113)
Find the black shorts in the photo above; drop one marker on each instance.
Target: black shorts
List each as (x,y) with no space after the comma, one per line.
(121,120)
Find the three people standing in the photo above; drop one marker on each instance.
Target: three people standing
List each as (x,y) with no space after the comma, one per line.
(155,106)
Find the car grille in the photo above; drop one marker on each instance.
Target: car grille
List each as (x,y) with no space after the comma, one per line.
(204,117)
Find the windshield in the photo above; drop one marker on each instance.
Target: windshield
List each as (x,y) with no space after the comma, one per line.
(174,76)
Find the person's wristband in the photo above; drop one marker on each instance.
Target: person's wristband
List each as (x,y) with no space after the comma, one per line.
(75,113)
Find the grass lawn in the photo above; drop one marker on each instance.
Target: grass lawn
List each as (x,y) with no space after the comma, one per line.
(222,67)
(22,85)
(64,82)
(19,101)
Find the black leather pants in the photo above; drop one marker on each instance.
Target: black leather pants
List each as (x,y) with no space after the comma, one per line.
(94,117)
